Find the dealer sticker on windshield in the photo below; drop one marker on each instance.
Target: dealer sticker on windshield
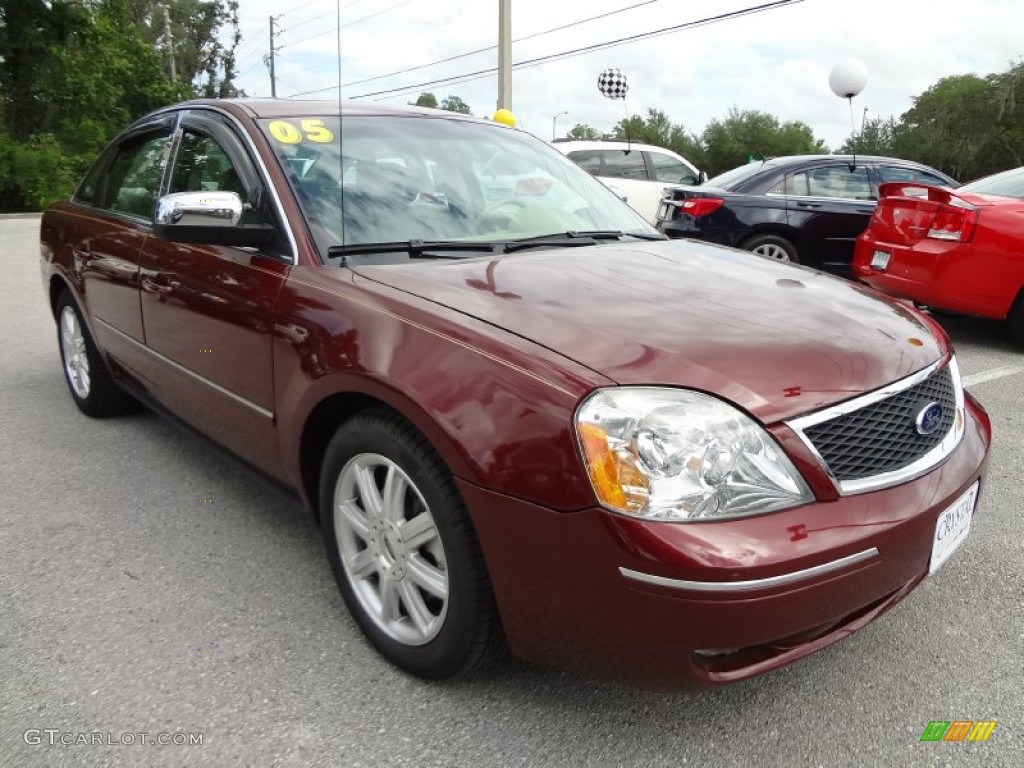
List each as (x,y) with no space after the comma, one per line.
(952,526)
(880,260)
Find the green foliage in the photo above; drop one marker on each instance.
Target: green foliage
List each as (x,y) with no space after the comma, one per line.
(455,104)
(583,131)
(659,130)
(876,137)
(731,141)
(33,173)
(75,72)
(425,99)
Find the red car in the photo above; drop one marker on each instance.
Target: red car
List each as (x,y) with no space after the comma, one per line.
(960,250)
(529,421)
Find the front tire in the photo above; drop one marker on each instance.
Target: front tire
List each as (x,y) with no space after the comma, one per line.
(773,248)
(403,549)
(1015,318)
(86,373)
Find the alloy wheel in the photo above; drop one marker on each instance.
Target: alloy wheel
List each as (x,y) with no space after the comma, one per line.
(390,549)
(72,343)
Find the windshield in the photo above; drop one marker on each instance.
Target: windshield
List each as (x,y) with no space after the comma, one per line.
(1008,184)
(730,178)
(370,179)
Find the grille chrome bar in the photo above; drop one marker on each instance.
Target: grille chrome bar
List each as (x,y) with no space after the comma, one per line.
(848,485)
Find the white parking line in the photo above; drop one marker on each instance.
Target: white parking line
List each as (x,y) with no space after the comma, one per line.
(994,373)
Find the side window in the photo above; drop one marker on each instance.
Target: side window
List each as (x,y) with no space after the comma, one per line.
(619,165)
(796,184)
(133,180)
(202,165)
(895,173)
(91,187)
(670,170)
(587,159)
(839,181)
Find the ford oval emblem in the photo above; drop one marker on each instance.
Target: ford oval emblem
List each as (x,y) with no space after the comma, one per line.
(929,418)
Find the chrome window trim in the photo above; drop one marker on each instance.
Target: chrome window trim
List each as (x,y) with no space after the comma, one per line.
(921,466)
(753,584)
(264,173)
(187,371)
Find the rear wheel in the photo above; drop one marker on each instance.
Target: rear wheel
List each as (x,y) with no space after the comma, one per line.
(403,549)
(772,247)
(86,373)
(1016,317)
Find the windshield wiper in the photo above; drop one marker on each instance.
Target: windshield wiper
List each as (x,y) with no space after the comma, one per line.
(577,237)
(414,249)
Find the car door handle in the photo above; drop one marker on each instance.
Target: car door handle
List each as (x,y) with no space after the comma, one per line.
(803,204)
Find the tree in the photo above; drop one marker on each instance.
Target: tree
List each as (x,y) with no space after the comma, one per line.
(75,72)
(583,131)
(659,130)
(455,104)
(876,137)
(742,133)
(425,99)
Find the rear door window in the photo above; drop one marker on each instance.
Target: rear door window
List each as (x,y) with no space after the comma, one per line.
(618,164)
(838,181)
(135,175)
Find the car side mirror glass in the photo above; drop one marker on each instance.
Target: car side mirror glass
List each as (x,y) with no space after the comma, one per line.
(211,218)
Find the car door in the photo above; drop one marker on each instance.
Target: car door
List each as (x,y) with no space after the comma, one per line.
(115,216)
(625,170)
(830,205)
(208,310)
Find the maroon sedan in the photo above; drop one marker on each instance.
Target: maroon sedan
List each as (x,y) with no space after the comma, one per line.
(520,416)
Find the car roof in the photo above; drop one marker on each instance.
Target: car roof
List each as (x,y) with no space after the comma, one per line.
(271,108)
(786,160)
(565,145)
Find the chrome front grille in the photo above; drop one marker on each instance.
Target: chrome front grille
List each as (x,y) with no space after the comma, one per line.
(883,438)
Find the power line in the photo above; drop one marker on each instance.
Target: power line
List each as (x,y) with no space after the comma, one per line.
(479,74)
(492,47)
(347,24)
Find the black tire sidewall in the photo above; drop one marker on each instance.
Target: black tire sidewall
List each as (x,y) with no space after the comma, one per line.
(452,650)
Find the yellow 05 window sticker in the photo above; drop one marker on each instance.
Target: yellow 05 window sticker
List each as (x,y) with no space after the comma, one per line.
(310,129)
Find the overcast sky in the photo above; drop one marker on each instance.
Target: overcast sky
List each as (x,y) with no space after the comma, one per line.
(777,60)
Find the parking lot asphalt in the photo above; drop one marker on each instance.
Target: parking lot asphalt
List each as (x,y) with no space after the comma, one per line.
(149,587)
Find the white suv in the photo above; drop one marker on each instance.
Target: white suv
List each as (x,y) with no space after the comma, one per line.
(639,172)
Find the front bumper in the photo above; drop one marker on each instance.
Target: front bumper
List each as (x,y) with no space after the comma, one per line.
(568,591)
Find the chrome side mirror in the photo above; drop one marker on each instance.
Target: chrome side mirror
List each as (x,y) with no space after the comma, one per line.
(209,218)
(199,209)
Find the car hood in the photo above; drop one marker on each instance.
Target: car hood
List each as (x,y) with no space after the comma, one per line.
(775,339)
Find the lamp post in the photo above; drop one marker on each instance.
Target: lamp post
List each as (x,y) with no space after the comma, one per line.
(554,123)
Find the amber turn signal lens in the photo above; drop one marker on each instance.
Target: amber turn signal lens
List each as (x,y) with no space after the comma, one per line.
(601,466)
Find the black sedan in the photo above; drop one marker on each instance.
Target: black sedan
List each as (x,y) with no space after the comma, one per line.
(807,209)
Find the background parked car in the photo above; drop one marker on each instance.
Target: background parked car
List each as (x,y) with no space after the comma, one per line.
(804,208)
(642,173)
(960,250)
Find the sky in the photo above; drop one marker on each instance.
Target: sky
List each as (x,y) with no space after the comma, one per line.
(777,60)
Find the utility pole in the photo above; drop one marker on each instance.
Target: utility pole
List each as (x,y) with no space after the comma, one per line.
(504,54)
(169,42)
(270,57)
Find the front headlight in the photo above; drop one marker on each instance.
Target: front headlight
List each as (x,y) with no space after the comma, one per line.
(673,454)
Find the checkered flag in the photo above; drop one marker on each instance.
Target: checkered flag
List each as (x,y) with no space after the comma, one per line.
(612,83)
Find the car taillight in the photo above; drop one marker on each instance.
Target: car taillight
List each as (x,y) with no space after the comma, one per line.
(953,222)
(700,206)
